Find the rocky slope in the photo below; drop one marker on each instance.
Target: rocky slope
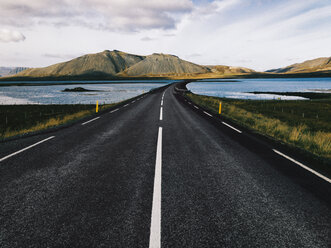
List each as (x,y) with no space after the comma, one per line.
(106,62)
(163,64)
(224,69)
(120,64)
(6,71)
(314,65)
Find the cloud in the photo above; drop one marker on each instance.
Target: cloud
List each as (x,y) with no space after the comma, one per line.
(251,33)
(260,36)
(122,15)
(169,35)
(11,36)
(146,38)
(194,55)
(60,56)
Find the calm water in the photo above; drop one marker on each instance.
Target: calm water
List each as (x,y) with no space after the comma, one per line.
(242,88)
(52,94)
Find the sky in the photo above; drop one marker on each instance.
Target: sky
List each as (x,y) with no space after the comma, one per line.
(258,34)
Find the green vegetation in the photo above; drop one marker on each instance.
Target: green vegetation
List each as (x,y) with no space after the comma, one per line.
(304,124)
(22,119)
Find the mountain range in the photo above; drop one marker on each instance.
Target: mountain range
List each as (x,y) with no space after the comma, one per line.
(6,71)
(120,64)
(117,64)
(314,65)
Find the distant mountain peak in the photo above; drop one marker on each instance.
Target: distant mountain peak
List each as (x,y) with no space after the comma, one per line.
(164,55)
(312,65)
(8,71)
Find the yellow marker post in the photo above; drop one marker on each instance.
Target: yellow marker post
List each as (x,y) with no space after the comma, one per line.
(97,107)
(220,108)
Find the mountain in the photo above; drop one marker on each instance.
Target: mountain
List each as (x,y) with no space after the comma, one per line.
(106,62)
(314,65)
(5,71)
(110,64)
(163,64)
(224,69)
(117,64)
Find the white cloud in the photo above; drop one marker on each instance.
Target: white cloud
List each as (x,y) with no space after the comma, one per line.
(124,15)
(251,33)
(146,38)
(243,33)
(61,56)
(11,36)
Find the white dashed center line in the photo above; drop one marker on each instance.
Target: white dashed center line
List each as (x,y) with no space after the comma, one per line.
(155,231)
(161,114)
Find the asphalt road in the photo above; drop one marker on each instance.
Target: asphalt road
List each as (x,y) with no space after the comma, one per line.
(158,172)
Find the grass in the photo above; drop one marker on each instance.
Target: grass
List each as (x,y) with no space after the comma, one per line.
(304,124)
(22,119)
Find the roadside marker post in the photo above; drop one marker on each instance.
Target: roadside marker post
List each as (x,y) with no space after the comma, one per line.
(220,108)
(97,107)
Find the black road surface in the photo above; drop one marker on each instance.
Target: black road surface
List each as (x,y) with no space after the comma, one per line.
(92,185)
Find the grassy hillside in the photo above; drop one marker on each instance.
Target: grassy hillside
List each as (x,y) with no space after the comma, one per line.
(314,65)
(116,65)
(223,69)
(106,62)
(163,64)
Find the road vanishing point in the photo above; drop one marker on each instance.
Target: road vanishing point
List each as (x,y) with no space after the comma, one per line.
(158,171)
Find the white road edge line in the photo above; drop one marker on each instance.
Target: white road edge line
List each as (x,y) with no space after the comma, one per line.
(161,114)
(113,111)
(303,166)
(189,103)
(155,231)
(207,113)
(226,124)
(26,148)
(90,121)
(126,105)
(196,107)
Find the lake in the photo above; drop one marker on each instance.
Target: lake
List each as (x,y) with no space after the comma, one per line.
(115,91)
(241,88)
(106,92)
